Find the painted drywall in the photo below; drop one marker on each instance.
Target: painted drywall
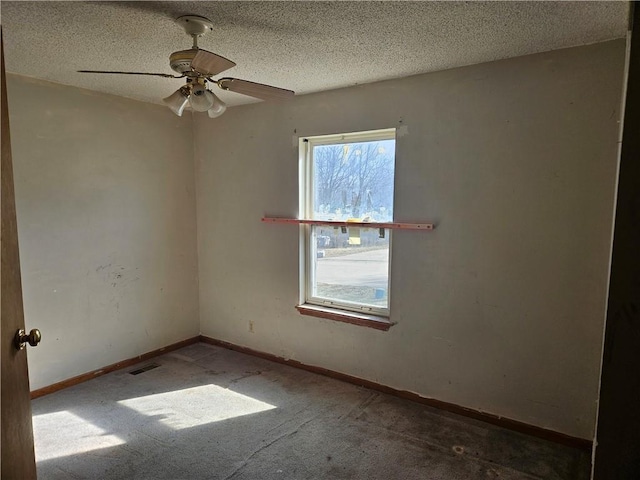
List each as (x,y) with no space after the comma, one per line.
(501,307)
(105,199)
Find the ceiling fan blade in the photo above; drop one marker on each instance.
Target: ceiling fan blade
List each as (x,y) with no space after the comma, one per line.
(165,75)
(209,64)
(257,90)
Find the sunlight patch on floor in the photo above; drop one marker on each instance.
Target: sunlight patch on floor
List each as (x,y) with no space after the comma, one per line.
(73,435)
(196,406)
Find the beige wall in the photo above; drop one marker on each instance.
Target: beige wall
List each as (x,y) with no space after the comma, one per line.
(499,309)
(106,219)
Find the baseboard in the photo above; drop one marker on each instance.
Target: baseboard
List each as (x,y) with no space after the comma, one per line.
(514,425)
(110,368)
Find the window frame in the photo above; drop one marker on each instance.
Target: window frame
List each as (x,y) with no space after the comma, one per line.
(332,308)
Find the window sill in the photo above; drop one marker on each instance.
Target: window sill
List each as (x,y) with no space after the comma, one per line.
(362,319)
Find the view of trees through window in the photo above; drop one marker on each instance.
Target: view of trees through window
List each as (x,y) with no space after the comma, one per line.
(352,182)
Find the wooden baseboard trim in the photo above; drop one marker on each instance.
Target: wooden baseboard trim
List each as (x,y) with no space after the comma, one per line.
(532,430)
(110,368)
(515,425)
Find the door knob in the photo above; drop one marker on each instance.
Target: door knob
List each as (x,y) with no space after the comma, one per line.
(22,338)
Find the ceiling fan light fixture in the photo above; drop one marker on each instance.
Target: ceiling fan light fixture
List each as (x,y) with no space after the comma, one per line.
(218,108)
(201,99)
(177,100)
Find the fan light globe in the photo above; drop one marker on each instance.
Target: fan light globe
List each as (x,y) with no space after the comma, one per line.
(177,101)
(201,99)
(218,108)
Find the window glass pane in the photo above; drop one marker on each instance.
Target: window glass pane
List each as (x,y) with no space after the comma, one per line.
(351,181)
(351,267)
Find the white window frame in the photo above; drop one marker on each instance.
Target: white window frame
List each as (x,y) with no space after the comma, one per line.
(306,194)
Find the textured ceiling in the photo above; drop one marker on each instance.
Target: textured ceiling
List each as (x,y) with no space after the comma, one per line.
(304,46)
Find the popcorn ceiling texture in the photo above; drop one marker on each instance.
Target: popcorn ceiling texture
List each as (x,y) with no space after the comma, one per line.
(304,46)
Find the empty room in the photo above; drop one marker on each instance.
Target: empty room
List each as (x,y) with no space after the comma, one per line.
(320,240)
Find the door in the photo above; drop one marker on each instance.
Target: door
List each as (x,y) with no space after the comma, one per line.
(17,459)
(617,455)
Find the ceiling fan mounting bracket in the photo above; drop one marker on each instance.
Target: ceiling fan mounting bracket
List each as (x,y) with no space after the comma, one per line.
(195,25)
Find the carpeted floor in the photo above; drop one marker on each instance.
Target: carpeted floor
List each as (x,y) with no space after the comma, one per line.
(210,413)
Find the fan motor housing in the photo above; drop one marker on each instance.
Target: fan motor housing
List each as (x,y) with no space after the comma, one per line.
(181,61)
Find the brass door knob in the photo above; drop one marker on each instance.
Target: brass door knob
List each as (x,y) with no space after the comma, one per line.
(22,338)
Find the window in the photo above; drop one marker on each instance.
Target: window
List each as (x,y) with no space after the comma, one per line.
(348,178)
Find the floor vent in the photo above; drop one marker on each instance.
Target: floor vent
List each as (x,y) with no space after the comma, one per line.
(146,368)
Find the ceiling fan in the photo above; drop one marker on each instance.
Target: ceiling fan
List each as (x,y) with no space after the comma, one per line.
(198,66)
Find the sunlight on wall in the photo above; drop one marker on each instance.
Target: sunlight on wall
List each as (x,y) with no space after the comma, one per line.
(196,406)
(73,435)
